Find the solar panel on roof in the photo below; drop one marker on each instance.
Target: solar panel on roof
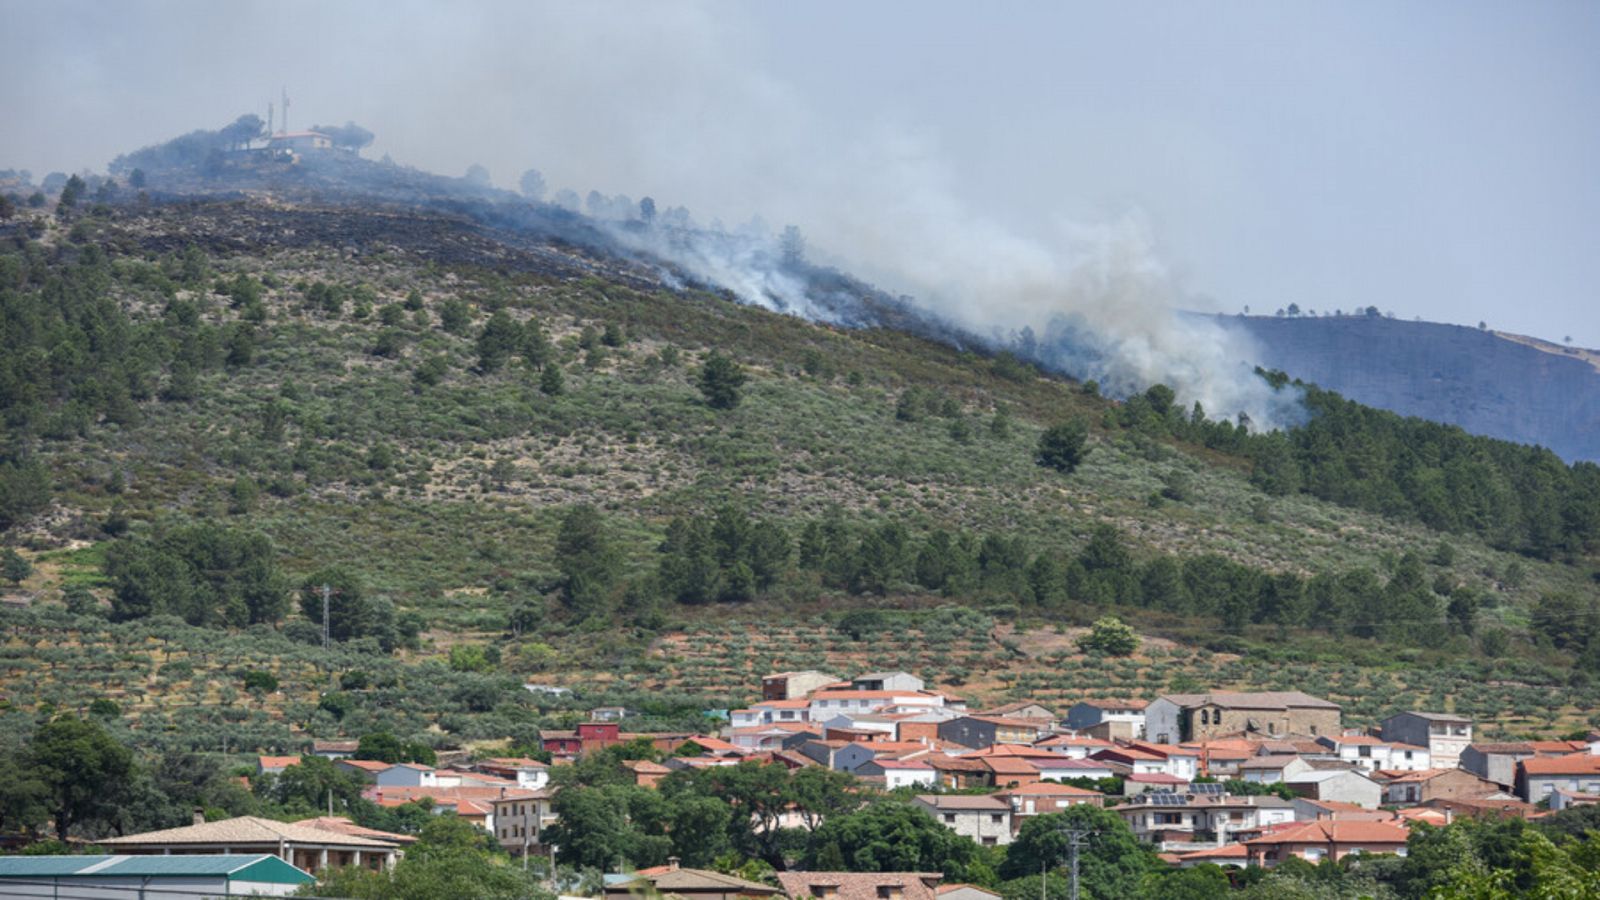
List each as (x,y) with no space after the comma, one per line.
(1208,788)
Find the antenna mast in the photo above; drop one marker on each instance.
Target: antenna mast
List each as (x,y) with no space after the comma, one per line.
(270,130)
(286,109)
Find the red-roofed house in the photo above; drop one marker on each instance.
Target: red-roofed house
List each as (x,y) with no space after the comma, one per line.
(365,769)
(1183,762)
(1578,773)
(527,773)
(1323,839)
(715,746)
(1137,762)
(1045,798)
(1417,788)
(959,771)
(1010,771)
(645,772)
(274,765)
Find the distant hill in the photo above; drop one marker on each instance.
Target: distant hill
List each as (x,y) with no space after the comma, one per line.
(1501,385)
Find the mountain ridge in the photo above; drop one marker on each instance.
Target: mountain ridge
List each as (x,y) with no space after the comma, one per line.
(1516,388)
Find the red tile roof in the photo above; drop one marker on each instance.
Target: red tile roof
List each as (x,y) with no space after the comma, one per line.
(1010,765)
(369,765)
(1226,851)
(1336,831)
(1051,789)
(860,885)
(1575,764)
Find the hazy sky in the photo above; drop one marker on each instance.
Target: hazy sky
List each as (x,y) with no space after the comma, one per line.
(1435,159)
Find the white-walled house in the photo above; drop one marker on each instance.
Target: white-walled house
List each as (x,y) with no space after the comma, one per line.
(863,722)
(407,775)
(1139,762)
(1181,821)
(1339,786)
(529,774)
(1273,769)
(1181,762)
(898,773)
(769,712)
(825,704)
(1374,754)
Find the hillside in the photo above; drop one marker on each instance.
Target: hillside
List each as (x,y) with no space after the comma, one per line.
(496,443)
(1501,385)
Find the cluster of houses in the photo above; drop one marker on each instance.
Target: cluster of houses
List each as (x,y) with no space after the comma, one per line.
(1311,788)
(1347,791)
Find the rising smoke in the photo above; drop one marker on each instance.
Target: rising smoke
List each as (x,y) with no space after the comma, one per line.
(673,100)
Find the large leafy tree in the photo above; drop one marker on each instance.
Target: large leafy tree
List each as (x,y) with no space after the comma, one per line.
(1111,862)
(24,796)
(820,793)
(84,770)
(890,836)
(593,829)
(311,784)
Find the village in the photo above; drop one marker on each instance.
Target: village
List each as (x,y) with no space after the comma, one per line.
(1227,778)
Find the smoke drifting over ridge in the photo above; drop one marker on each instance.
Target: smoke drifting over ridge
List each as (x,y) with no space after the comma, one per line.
(674,103)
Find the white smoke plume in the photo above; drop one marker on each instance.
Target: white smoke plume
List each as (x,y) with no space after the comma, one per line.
(674,101)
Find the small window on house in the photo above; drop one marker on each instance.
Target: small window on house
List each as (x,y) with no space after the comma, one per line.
(949,818)
(996,818)
(1205,717)
(989,842)
(890,892)
(821,891)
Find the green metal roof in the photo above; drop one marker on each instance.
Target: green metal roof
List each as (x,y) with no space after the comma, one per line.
(258,867)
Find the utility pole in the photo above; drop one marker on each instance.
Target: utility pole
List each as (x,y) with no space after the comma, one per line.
(1077,839)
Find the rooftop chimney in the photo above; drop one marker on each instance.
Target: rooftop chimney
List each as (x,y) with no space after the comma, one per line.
(199,816)
(672,863)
